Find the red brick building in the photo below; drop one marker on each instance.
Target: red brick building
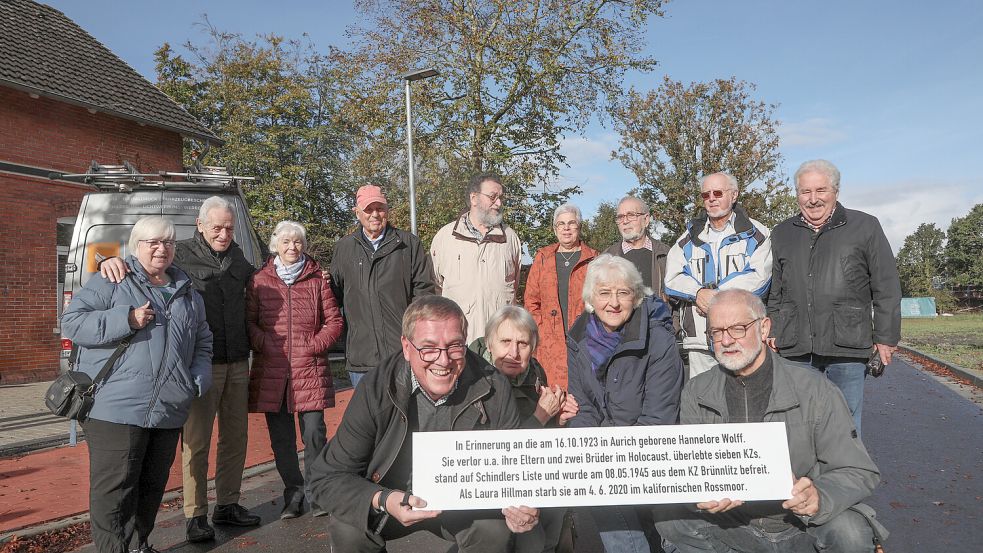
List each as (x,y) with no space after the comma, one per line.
(65,100)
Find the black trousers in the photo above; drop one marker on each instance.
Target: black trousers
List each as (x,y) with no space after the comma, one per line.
(128,470)
(283,439)
(472,531)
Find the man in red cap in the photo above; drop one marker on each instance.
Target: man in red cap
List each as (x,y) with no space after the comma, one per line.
(376,271)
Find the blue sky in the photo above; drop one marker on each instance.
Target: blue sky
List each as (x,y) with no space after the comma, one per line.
(888,90)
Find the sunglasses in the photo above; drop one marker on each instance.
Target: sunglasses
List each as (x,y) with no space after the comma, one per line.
(716,194)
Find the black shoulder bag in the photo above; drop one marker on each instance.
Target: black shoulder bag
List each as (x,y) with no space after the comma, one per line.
(72,394)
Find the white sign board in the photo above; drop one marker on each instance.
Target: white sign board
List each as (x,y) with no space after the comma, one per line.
(629,465)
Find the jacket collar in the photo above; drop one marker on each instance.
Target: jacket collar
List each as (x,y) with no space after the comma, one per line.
(494,234)
(178,276)
(783,396)
(587,253)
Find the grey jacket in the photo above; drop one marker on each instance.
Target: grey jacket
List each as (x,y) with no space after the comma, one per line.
(168,362)
(822,442)
(374,287)
(825,283)
(374,430)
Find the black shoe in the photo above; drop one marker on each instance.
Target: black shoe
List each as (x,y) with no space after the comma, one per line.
(145,548)
(293,509)
(234,515)
(317,511)
(199,530)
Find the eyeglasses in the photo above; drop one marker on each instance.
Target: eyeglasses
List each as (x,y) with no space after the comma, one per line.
(154,243)
(608,295)
(568,224)
(716,194)
(455,352)
(736,332)
(630,216)
(494,197)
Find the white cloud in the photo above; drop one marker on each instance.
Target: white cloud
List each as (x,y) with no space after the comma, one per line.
(812,132)
(902,206)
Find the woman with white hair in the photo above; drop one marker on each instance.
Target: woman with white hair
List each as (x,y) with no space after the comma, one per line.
(293,319)
(141,405)
(554,289)
(625,370)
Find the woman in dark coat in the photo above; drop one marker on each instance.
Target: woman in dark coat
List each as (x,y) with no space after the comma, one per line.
(625,370)
(293,320)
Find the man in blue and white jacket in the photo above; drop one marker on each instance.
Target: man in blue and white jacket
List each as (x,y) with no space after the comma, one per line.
(721,249)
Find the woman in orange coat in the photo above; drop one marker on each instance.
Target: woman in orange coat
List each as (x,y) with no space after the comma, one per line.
(553,290)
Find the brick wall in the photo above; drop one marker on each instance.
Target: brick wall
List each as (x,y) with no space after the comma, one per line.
(52,135)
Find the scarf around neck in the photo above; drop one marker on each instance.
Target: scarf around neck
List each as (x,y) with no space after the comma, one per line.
(289,273)
(600,343)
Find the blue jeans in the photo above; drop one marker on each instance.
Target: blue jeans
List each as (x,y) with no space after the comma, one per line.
(355,377)
(847,373)
(847,532)
(620,529)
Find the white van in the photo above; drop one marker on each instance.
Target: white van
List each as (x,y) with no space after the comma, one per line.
(106,217)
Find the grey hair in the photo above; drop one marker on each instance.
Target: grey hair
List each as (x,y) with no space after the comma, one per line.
(215,202)
(755,307)
(731,180)
(822,167)
(149,228)
(431,308)
(567,208)
(517,316)
(607,268)
(287,228)
(645,206)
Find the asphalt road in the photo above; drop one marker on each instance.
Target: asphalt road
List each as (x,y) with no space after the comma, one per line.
(925,434)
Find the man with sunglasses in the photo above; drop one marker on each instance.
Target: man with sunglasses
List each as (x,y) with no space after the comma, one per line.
(434,384)
(476,257)
(835,295)
(721,249)
(832,469)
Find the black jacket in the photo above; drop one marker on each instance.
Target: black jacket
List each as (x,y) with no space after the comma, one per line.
(221,281)
(641,382)
(374,288)
(824,284)
(375,429)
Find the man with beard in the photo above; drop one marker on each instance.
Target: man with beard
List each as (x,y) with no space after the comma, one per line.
(476,257)
(721,249)
(835,293)
(832,469)
(648,256)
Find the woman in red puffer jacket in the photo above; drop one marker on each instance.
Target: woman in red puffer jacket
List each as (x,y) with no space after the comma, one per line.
(293,320)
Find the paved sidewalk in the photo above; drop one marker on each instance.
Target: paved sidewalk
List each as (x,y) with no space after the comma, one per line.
(38,486)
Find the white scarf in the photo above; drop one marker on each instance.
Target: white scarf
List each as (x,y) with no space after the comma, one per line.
(289,273)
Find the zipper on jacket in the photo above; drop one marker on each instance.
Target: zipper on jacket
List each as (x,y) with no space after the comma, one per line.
(747,415)
(290,345)
(158,384)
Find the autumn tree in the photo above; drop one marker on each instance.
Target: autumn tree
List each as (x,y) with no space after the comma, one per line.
(273,101)
(601,230)
(515,78)
(673,136)
(963,259)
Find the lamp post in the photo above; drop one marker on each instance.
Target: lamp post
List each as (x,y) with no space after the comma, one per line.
(408,78)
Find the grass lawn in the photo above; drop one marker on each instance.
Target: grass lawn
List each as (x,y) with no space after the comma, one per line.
(957,339)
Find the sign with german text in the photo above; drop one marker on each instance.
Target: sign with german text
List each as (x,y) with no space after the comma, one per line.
(631,465)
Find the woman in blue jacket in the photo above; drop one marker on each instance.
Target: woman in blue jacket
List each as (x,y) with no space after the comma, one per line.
(133,428)
(624,369)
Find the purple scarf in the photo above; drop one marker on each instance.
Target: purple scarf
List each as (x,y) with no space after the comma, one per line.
(600,343)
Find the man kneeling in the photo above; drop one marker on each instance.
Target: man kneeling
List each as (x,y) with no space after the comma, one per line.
(434,384)
(751,384)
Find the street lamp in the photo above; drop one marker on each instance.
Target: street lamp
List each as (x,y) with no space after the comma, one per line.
(410,77)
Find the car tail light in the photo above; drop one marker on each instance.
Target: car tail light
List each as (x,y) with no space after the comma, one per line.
(66,298)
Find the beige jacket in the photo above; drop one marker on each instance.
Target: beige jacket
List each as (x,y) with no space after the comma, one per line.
(479,276)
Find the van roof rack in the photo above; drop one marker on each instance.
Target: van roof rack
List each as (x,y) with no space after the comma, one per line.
(126,178)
